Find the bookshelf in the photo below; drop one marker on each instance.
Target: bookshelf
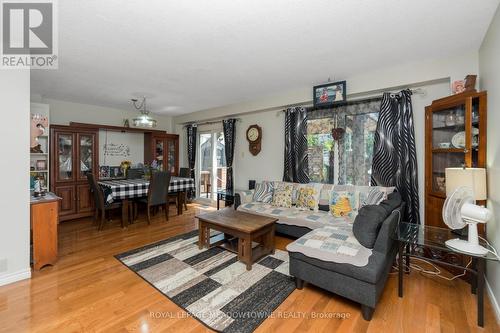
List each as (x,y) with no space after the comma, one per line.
(39,157)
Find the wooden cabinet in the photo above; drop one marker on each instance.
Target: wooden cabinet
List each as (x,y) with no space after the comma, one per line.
(68,199)
(44,216)
(164,148)
(73,154)
(455,136)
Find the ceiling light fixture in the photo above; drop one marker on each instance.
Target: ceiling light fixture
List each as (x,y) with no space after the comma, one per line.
(144,119)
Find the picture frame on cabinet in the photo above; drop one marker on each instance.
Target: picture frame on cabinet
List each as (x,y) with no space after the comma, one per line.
(104,171)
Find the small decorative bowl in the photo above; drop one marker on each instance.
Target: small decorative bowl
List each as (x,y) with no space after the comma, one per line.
(444,145)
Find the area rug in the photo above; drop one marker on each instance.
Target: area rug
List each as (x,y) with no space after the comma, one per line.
(211,284)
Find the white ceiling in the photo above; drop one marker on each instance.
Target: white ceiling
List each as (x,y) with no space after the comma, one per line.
(193,55)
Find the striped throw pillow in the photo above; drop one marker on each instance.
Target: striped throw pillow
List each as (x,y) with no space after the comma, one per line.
(263,192)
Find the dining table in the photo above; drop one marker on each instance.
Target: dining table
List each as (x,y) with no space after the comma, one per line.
(127,189)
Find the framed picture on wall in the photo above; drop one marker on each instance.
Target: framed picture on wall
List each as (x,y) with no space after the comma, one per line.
(329,94)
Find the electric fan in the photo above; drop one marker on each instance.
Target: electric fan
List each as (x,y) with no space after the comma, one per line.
(460,210)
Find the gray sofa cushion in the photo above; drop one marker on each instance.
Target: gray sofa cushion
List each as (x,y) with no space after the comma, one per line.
(367,224)
(371,273)
(392,202)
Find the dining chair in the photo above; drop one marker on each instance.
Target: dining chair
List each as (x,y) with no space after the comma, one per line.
(135,173)
(185,173)
(158,193)
(101,206)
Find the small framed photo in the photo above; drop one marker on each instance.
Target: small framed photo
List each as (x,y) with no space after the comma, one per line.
(115,172)
(104,171)
(329,93)
(41,165)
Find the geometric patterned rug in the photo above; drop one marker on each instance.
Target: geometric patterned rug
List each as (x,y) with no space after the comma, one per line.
(211,284)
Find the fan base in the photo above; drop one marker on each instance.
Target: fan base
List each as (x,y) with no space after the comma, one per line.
(467,247)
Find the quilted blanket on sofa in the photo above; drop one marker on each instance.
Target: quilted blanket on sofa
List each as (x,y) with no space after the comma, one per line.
(332,243)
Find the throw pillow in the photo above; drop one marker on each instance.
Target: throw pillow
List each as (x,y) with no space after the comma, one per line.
(367,224)
(307,198)
(263,192)
(295,188)
(282,196)
(343,204)
(324,197)
(372,196)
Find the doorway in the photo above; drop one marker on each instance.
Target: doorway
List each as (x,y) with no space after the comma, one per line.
(211,170)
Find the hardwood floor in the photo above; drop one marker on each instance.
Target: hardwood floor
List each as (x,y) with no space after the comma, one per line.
(88,290)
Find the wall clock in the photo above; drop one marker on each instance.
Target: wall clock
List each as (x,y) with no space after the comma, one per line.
(254,137)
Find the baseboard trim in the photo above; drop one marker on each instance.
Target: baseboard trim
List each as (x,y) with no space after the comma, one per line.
(14,277)
(493,300)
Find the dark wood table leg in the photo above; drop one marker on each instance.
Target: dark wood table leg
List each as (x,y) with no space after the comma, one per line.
(400,269)
(240,249)
(473,277)
(201,234)
(179,202)
(218,201)
(125,213)
(480,291)
(407,266)
(247,252)
(269,240)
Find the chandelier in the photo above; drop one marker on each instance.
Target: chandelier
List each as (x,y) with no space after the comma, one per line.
(143,119)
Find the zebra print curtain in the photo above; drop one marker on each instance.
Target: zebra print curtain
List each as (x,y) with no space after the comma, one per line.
(394,153)
(191,147)
(296,158)
(229,133)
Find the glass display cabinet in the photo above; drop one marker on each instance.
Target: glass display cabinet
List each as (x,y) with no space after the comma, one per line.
(455,136)
(164,148)
(73,155)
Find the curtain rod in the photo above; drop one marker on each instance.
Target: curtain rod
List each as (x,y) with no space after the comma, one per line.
(210,122)
(416,91)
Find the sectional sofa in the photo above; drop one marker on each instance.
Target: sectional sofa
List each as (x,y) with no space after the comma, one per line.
(327,252)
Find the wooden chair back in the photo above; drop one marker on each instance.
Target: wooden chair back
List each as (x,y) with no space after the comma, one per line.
(158,188)
(96,191)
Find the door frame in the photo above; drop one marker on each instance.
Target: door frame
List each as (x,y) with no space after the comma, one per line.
(213,132)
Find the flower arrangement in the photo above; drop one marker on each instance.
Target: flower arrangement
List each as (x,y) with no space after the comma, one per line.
(125,165)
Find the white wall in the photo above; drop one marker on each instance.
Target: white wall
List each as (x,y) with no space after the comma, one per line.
(62,113)
(489,64)
(14,165)
(131,143)
(361,83)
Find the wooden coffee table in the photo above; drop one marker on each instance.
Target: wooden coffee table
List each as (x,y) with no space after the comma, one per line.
(250,236)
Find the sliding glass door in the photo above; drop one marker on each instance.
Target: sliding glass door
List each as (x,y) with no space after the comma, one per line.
(211,164)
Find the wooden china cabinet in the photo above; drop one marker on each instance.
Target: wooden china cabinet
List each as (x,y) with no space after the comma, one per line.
(74,154)
(455,136)
(165,149)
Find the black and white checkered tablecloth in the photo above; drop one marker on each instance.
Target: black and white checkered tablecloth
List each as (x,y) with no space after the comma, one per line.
(135,188)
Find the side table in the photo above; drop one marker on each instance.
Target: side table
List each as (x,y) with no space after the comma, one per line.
(226,196)
(411,237)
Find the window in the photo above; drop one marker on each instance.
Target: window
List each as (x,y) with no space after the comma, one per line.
(348,160)
(320,150)
(358,148)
